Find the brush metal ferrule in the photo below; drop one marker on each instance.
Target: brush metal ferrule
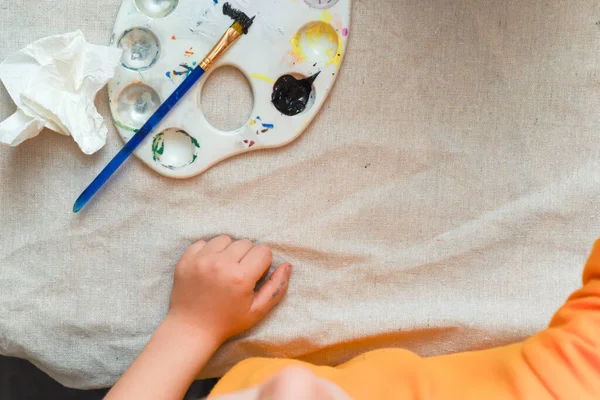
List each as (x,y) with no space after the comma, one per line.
(232,34)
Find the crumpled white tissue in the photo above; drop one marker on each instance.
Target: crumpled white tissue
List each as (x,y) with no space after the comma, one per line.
(53,82)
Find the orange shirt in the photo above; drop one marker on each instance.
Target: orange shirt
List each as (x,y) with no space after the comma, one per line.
(561,362)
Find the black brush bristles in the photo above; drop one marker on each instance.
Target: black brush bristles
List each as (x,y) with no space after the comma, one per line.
(238,16)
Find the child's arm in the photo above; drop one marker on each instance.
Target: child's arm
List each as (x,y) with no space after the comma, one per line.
(213,299)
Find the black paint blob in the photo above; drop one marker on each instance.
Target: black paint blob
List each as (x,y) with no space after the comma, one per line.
(291,95)
(238,16)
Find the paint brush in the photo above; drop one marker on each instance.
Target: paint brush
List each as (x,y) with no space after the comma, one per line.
(239,27)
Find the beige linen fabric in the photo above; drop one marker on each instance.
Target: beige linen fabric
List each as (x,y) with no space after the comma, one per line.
(444,199)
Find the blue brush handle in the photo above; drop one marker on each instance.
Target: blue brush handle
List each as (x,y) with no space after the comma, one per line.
(135,141)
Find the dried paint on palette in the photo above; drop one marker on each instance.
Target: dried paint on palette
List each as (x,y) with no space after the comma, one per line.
(121,125)
(141,49)
(185,69)
(262,77)
(158,147)
(174,136)
(262,127)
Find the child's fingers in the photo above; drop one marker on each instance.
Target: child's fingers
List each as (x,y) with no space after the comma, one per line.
(193,250)
(217,244)
(257,261)
(272,291)
(196,247)
(237,250)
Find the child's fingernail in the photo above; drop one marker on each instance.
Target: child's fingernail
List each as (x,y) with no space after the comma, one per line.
(288,268)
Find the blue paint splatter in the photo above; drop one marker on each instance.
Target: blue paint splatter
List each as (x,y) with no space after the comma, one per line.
(268,126)
(188,70)
(216,2)
(168,74)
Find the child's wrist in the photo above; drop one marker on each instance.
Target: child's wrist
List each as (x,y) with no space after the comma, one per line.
(182,329)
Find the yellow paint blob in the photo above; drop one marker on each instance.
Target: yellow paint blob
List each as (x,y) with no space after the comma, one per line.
(337,59)
(297,48)
(317,42)
(326,16)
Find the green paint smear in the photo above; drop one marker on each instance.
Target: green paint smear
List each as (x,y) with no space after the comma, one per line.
(195,142)
(158,147)
(127,128)
(197,145)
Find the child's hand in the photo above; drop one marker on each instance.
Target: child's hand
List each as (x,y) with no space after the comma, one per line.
(213,298)
(213,291)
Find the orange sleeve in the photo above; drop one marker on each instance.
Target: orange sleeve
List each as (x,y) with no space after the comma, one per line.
(566,356)
(559,363)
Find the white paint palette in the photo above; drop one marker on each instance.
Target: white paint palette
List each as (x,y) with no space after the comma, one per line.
(163,40)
